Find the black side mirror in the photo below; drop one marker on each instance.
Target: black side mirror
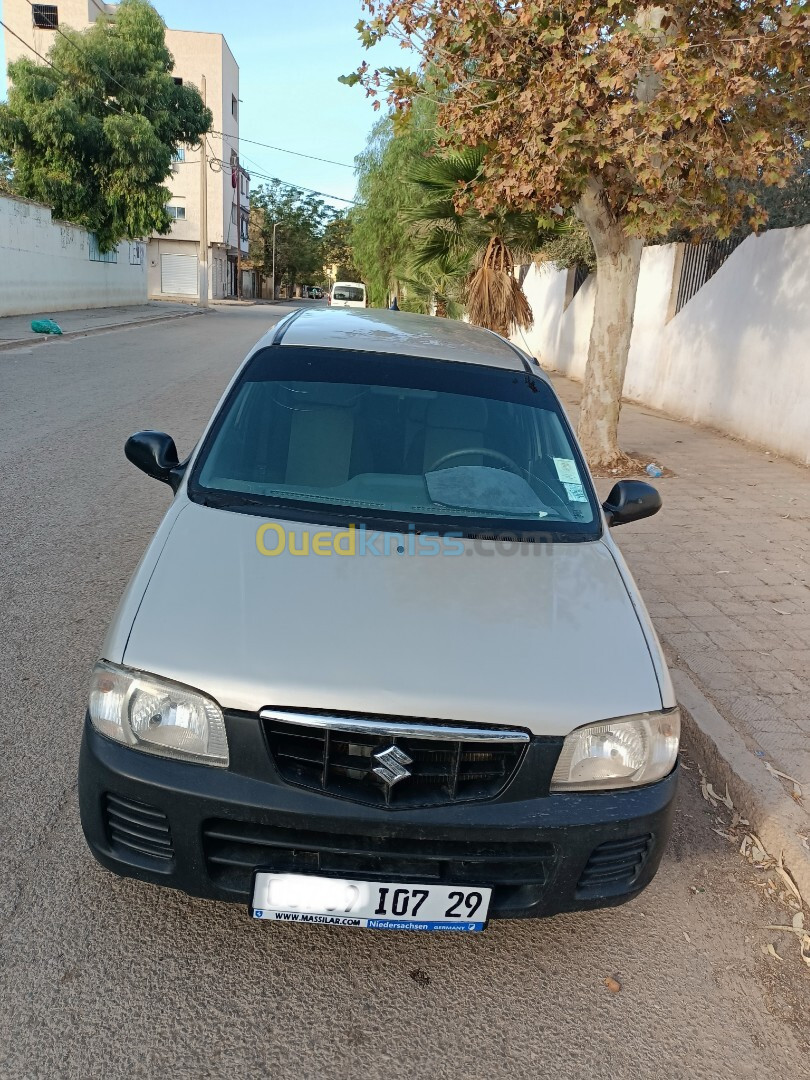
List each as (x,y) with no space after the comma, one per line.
(631,500)
(154,453)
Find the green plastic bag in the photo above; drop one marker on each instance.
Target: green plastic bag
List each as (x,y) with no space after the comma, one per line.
(45,326)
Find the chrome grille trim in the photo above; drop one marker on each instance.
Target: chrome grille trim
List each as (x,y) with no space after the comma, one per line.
(392,728)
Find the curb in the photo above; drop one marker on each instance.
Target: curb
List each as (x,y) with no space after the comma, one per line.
(106,328)
(758,796)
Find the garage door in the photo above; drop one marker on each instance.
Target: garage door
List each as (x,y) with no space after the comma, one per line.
(178,275)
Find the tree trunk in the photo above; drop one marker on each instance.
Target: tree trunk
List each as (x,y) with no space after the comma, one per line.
(618,260)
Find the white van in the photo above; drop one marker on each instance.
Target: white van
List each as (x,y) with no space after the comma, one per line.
(348,294)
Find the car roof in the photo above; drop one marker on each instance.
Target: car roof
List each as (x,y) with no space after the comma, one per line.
(399,333)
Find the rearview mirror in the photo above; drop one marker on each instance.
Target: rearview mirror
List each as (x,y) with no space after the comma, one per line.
(154,453)
(631,500)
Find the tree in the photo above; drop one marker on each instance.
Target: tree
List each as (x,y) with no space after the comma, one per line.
(6,174)
(639,116)
(473,254)
(379,234)
(337,247)
(93,135)
(301,220)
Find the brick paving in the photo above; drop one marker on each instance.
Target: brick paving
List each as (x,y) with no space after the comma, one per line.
(725,572)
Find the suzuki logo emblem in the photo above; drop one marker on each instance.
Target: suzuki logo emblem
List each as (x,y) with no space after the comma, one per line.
(391,765)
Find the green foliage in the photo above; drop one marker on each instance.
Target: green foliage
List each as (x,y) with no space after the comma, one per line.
(380,240)
(337,247)
(6,174)
(301,219)
(93,136)
(570,248)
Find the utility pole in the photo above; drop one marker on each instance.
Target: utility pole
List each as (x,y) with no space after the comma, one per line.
(203,256)
(275,226)
(238,229)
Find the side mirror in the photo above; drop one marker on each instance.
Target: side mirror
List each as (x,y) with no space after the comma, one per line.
(631,500)
(154,453)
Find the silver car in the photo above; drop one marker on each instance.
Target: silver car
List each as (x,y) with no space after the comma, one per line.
(382,664)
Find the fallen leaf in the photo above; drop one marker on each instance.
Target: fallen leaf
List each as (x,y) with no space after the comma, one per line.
(771,951)
(804,949)
(687,937)
(613,985)
(788,880)
(797,787)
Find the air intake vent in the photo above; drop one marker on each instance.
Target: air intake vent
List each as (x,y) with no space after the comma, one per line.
(139,829)
(614,867)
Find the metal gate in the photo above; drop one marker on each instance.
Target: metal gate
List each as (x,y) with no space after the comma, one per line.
(178,275)
(701,262)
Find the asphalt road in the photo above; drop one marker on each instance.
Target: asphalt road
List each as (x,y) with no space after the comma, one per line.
(101,977)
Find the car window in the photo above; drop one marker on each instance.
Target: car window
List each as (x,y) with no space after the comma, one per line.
(356,435)
(348,294)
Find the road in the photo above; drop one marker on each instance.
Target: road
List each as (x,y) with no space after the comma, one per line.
(113,978)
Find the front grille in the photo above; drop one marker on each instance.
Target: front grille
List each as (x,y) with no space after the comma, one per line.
(347,764)
(233,850)
(138,828)
(614,866)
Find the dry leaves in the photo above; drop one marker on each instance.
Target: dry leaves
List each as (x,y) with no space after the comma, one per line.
(797,927)
(797,787)
(784,889)
(613,985)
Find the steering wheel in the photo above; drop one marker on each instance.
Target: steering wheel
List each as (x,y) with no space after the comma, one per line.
(469,451)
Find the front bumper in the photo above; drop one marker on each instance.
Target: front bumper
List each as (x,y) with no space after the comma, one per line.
(204,830)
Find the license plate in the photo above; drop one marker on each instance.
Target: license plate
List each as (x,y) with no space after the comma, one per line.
(370,905)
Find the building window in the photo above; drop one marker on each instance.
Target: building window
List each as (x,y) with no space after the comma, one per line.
(179,154)
(136,253)
(176,212)
(178,81)
(233,213)
(234,107)
(98,256)
(46,16)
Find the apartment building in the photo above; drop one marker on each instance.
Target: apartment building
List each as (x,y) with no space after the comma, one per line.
(173,260)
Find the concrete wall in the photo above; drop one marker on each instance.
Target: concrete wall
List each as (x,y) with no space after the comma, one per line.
(736,357)
(45,265)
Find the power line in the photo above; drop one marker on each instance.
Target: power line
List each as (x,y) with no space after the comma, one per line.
(64,74)
(286,183)
(84,52)
(44,59)
(214,158)
(282,150)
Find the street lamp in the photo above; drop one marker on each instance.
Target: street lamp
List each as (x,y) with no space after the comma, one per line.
(275,226)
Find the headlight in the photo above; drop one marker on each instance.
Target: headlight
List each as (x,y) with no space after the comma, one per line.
(623,753)
(157,716)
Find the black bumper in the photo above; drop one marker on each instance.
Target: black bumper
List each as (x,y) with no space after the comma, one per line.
(203,830)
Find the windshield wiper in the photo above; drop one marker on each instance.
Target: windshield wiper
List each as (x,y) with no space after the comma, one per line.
(221,500)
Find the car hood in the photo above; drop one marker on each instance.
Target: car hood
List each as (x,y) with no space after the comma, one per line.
(546,638)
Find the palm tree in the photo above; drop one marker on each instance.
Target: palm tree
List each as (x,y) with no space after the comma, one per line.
(473,254)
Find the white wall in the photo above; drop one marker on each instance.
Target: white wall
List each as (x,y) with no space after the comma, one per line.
(736,357)
(45,266)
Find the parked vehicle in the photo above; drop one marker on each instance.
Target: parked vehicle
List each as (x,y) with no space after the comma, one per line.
(382,664)
(316,293)
(350,294)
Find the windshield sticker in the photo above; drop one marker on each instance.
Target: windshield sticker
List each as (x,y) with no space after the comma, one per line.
(567,472)
(575,492)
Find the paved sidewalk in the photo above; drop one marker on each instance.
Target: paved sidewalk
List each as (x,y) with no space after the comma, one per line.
(16,329)
(725,572)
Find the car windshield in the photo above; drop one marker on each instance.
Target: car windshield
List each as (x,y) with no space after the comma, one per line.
(341,436)
(347,293)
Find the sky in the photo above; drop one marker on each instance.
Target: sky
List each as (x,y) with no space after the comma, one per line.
(290,54)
